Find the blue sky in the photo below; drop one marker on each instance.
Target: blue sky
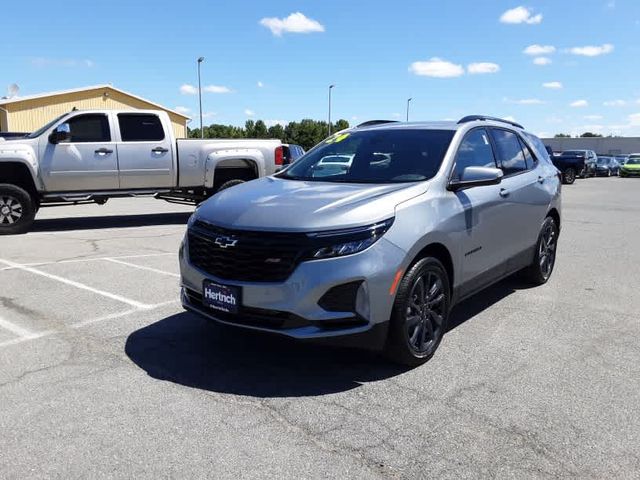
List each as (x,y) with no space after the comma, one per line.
(274,60)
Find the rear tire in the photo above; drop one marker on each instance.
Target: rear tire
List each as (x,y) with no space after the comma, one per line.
(569,176)
(544,259)
(17,210)
(420,313)
(229,184)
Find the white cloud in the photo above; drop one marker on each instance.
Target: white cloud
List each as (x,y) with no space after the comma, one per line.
(294,23)
(260,84)
(537,50)
(552,85)
(249,113)
(541,61)
(187,89)
(525,101)
(593,117)
(436,67)
(591,50)
(510,118)
(634,119)
(58,62)
(216,89)
(271,123)
(614,103)
(184,110)
(483,67)
(579,104)
(520,15)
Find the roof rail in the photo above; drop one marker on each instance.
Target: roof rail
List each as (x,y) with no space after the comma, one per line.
(375,122)
(472,118)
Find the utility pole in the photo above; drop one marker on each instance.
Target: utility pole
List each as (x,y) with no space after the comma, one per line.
(330,88)
(408,102)
(200,60)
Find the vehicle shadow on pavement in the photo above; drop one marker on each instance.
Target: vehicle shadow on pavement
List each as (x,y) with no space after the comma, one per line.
(110,221)
(190,351)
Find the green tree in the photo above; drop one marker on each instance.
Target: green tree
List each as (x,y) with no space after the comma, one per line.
(590,135)
(341,125)
(260,130)
(276,131)
(561,135)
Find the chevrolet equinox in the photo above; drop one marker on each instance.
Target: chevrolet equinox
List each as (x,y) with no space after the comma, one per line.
(375,233)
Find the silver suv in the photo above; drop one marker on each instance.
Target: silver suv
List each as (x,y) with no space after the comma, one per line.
(374,234)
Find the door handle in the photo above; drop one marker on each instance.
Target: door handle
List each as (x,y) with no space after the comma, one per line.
(541,179)
(103,151)
(160,150)
(504,192)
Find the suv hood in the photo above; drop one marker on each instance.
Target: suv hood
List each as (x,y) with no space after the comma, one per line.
(289,205)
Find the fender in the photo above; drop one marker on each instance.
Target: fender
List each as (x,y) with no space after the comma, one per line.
(15,152)
(252,155)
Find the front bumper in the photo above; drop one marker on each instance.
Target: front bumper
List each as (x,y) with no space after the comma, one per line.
(629,173)
(291,307)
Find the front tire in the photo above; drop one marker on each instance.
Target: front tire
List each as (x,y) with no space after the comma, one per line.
(229,184)
(17,210)
(544,260)
(569,176)
(420,313)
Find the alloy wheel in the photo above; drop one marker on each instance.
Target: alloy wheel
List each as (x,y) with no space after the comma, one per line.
(425,312)
(547,250)
(10,210)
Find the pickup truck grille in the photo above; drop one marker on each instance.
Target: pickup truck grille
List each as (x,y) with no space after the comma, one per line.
(241,255)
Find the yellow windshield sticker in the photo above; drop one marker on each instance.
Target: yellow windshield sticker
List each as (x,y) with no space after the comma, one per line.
(338,137)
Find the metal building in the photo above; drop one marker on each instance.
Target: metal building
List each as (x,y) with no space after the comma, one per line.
(602,145)
(27,114)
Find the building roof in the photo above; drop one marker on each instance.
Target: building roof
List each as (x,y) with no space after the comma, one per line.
(5,101)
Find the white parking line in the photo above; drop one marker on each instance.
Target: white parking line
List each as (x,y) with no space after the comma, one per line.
(79,285)
(83,260)
(15,329)
(141,267)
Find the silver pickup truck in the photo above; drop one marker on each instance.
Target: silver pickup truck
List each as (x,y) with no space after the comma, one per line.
(92,155)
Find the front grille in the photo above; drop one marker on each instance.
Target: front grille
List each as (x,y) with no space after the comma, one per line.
(242,255)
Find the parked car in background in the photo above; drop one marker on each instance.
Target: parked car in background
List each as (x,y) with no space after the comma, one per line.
(621,159)
(422,216)
(91,156)
(575,163)
(606,166)
(290,153)
(631,168)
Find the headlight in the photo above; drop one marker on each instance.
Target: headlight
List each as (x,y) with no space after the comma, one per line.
(338,243)
(192,220)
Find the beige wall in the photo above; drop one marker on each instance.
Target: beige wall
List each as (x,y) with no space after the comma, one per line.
(29,115)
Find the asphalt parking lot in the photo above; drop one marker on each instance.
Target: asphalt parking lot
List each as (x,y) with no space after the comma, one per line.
(103,375)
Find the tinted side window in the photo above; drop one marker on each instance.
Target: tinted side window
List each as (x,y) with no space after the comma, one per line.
(474,151)
(140,127)
(509,153)
(89,128)
(528,156)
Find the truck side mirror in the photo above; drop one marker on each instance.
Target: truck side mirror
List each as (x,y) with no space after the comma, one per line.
(62,133)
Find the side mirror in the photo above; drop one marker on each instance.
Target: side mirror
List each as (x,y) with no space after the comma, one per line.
(476,177)
(62,133)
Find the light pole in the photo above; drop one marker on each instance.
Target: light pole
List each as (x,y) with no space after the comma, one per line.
(330,88)
(408,102)
(200,60)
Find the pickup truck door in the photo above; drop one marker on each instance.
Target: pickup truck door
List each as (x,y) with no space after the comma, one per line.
(87,162)
(145,152)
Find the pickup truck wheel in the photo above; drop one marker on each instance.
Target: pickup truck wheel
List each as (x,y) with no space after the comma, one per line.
(229,184)
(17,210)
(569,176)
(420,313)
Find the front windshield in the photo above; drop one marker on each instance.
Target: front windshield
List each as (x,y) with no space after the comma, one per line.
(40,131)
(374,156)
(633,161)
(603,160)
